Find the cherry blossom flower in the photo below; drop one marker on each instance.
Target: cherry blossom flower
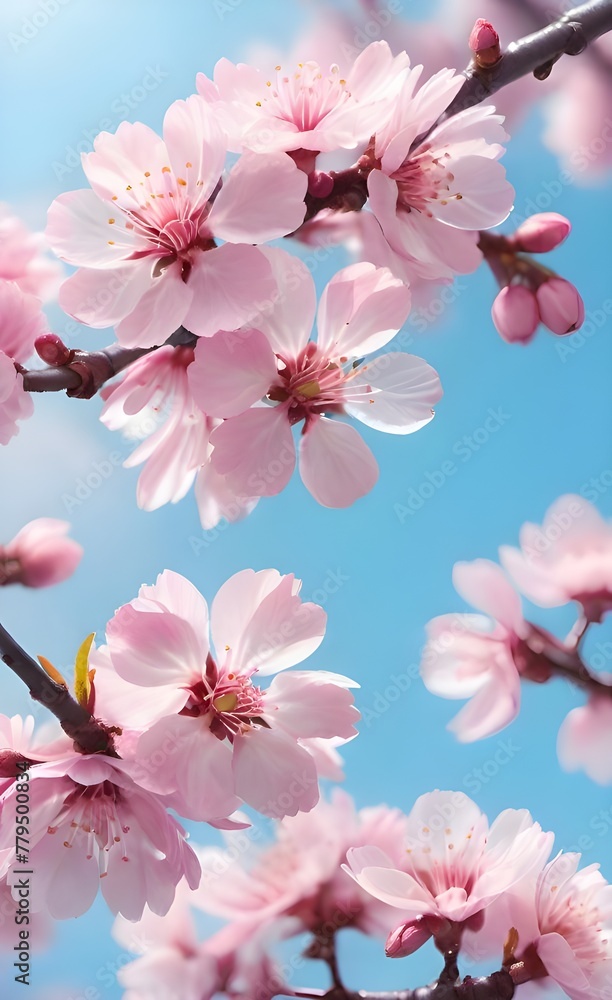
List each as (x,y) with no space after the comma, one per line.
(91,826)
(564,929)
(300,875)
(568,558)
(152,399)
(455,865)
(585,738)
(21,322)
(22,258)
(472,656)
(219,738)
(361,309)
(145,237)
(430,200)
(40,555)
(307,107)
(174,965)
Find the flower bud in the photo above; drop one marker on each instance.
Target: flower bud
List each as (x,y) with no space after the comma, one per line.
(52,350)
(542,232)
(44,554)
(515,314)
(320,184)
(407,938)
(561,306)
(484,43)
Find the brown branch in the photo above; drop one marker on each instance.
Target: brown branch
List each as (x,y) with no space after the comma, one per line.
(497,986)
(87,371)
(540,657)
(535,53)
(89,735)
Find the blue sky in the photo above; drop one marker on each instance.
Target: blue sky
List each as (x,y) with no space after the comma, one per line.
(384,569)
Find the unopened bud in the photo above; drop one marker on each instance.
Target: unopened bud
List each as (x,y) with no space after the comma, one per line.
(515,314)
(542,232)
(320,184)
(52,350)
(561,306)
(484,43)
(408,938)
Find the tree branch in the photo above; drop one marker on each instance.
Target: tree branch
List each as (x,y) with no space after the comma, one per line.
(535,53)
(497,986)
(89,735)
(539,657)
(87,371)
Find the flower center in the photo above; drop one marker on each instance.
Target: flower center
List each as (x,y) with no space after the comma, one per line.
(90,813)
(423,178)
(310,384)
(230,702)
(305,97)
(167,213)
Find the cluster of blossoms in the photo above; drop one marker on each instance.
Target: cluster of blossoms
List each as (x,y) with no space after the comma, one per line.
(484,657)
(168,245)
(440,872)
(192,730)
(27,278)
(165,240)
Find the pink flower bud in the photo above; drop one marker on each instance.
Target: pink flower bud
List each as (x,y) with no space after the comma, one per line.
(407,938)
(515,314)
(542,232)
(561,306)
(484,43)
(45,556)
(52,350)
(320,184)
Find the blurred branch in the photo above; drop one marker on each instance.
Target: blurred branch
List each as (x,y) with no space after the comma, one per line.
(497,986)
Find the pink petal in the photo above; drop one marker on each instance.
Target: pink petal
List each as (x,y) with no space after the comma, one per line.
(160,311)
(398,395)
(217,501)
(274,774)
(155,648)
(196,147)
(255,451)
(288,317)
(79,232)
(245,590)
(336,465)
(585,740)
(374,872)
(491,709)
(360,310)
(230,285)
(274,628)
(312,704)
(103,297)
(561,963)
(120,161)
(486,196)
(262,199)
(484,585)
(231,371)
